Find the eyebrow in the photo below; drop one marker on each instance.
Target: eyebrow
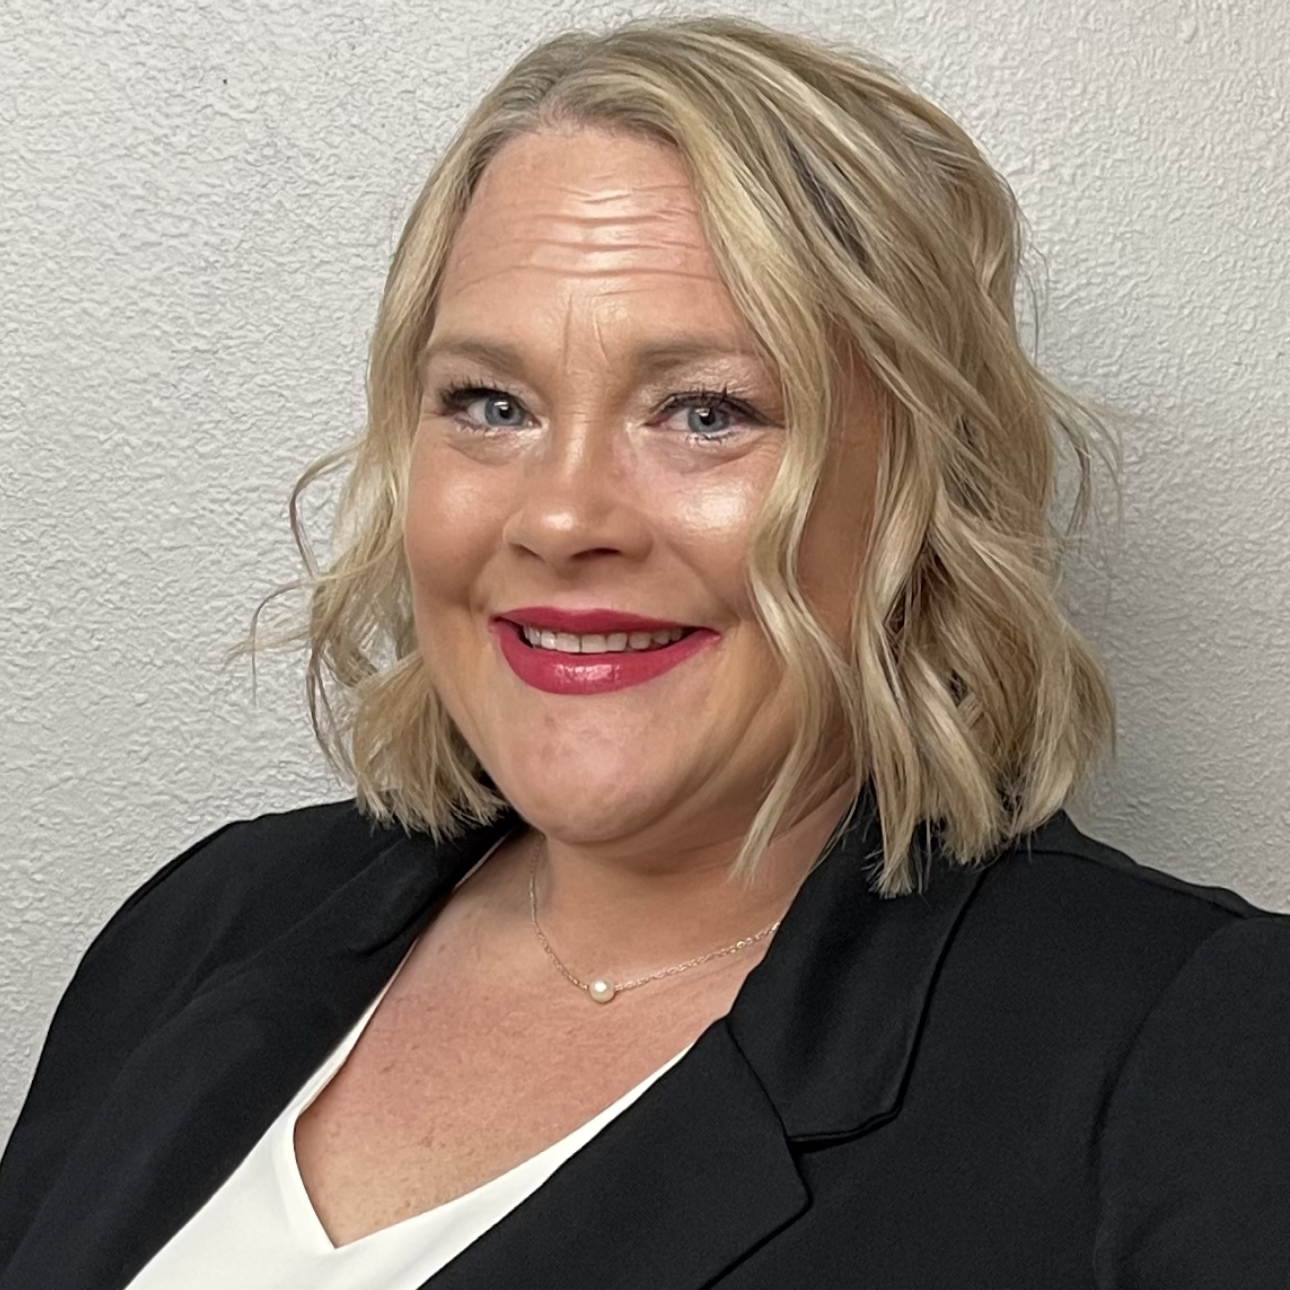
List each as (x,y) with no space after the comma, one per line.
(650,359)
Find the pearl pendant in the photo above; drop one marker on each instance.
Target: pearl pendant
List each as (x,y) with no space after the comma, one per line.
(601,990)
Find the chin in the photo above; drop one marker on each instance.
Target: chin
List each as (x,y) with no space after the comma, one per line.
(586,804)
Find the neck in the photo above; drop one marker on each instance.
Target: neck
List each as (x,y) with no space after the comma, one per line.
(617,916)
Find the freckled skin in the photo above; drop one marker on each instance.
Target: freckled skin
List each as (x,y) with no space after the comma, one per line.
(579,248)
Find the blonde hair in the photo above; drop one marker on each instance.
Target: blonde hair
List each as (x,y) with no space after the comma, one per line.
(847,215)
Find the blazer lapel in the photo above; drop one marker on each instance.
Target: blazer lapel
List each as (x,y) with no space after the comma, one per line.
(830,1019)
(673,1191)
(201,1090)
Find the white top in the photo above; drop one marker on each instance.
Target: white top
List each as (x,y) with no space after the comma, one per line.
(259,1231)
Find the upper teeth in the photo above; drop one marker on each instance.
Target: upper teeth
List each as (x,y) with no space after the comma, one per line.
(598,643)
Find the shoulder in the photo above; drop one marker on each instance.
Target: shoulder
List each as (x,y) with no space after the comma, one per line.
(1194,1156)
(1061,896)
(228,894)
(1179,947)
(1160,1009)
(1060,857)
(221,900)
(1068,947)
(1205,974)
(1193,1122)
(319,846)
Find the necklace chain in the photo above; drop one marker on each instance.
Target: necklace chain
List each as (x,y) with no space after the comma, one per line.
(601,989)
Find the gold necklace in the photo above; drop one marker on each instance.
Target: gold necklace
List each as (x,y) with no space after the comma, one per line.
(600,988)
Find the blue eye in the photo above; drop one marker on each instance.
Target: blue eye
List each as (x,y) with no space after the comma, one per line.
(499,409)
(487,408)
(707,422)
(712,417)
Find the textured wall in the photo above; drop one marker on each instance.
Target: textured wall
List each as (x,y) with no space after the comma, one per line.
(198,201)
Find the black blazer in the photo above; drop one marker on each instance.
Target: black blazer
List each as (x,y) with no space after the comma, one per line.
(1064,1071)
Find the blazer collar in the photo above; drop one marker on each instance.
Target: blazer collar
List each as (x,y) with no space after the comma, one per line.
(830,1018)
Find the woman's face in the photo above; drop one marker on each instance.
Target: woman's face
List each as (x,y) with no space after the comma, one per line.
(596,436)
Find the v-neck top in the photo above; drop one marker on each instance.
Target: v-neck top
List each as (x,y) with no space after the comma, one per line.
(260,1231)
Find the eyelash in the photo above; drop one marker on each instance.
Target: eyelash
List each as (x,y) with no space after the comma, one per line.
(458,396)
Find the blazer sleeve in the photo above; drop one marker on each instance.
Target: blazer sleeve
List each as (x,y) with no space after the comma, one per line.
(1195,1153)
(115,996)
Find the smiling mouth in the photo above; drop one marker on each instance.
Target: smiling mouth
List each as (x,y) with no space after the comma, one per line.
(636,642)
(589,663)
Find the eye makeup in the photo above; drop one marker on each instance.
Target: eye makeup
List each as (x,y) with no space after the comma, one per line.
(456,396)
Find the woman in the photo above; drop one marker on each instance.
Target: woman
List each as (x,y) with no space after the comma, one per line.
(694,608)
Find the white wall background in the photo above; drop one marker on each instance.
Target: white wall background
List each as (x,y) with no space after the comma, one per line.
(197,202)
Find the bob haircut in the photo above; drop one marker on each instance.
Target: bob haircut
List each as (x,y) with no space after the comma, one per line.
(851,221)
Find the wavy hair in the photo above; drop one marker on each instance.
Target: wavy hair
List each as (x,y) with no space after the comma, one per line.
(847,215)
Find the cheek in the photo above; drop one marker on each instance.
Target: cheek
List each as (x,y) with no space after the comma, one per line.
(447,525)
(713,524)
(710,516)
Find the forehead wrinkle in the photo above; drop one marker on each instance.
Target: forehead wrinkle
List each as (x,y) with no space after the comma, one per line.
(699,326)
(646,202)
(584,341)
(546,235)
(616,235)
(606,250)
(672,194)
(625,213)
(581,215)
(617,265)
(616,281)
(563,244)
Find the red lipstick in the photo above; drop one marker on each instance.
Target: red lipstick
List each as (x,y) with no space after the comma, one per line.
(556,672)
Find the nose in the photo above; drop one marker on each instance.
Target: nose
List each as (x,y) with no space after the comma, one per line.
(578,500)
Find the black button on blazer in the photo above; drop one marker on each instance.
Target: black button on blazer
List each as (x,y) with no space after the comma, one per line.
(1063,1071)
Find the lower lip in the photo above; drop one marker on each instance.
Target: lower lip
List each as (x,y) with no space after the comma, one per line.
(558,673)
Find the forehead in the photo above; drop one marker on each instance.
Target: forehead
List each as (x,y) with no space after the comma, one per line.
(597,221)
